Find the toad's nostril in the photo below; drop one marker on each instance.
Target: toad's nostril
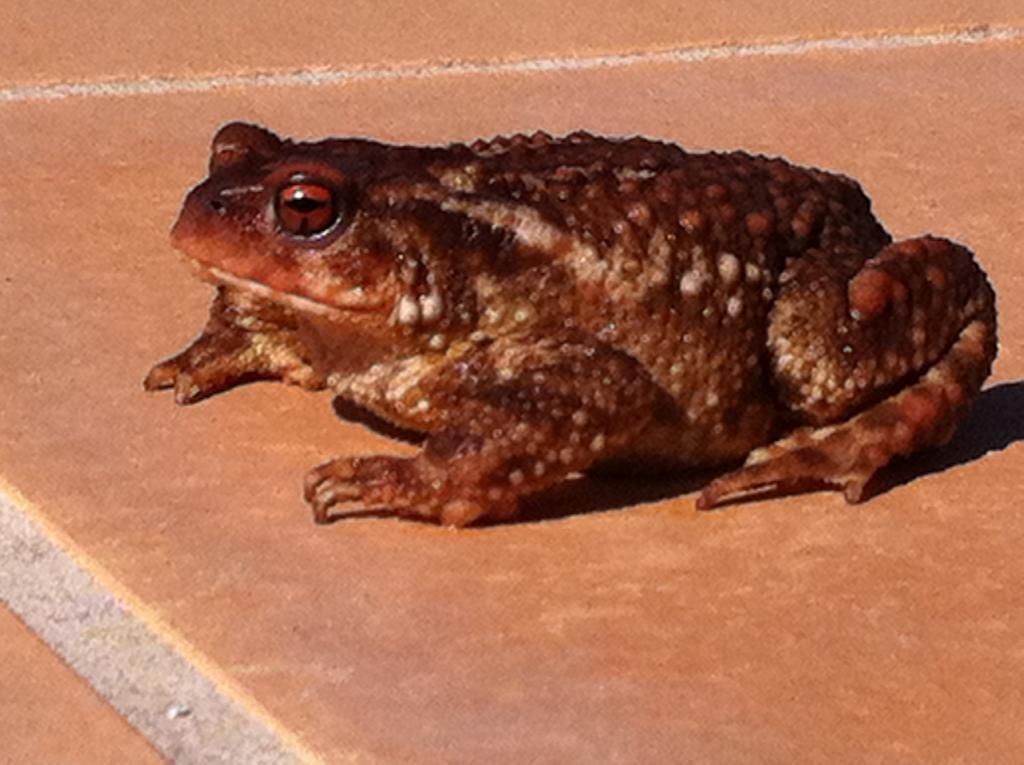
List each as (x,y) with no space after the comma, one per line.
(217,206)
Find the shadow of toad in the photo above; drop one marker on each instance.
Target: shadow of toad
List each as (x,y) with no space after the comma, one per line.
(996,421)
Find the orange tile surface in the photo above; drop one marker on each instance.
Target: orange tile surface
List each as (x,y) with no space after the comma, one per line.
(48,714)
(794,628)
(51,41)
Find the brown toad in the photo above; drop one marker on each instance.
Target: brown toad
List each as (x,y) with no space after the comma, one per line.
(539,307)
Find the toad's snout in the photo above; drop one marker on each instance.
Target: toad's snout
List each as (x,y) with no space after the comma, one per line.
(211,209)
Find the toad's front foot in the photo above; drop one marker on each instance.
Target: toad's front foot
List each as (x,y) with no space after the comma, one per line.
(242,341)
(522,419)
(408,487)
(331,484)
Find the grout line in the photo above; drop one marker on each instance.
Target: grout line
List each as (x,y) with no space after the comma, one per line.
(177,698)
(327,76)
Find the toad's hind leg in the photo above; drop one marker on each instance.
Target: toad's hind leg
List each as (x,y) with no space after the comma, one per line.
(920,314)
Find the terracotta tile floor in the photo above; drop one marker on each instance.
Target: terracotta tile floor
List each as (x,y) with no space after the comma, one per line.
(625,627)
(50,41)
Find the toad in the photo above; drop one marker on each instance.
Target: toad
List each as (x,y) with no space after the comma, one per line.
(539,306)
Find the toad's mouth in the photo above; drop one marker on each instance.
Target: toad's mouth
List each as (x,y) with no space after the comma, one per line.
(308,287)
(342,302)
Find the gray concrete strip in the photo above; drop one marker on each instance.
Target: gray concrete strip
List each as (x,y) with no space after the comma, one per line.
(180,709)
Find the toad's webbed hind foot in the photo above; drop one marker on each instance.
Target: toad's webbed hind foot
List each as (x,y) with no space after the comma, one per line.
(922,414)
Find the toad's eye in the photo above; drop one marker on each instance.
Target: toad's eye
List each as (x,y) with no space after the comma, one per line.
(305,208)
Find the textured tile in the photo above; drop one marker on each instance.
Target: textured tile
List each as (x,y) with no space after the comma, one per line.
(49,714)
(50,41)
(113,642)
(796,627)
